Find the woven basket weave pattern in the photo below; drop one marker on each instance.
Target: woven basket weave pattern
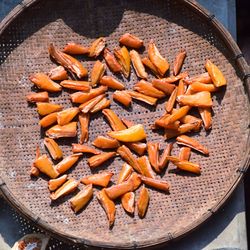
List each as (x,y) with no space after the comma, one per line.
(23,51)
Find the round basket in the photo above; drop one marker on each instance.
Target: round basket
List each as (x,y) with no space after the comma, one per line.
(175,24)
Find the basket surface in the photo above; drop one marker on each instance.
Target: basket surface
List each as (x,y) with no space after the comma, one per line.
(23,51)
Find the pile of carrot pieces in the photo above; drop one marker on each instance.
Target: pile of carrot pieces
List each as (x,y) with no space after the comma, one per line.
(185,93)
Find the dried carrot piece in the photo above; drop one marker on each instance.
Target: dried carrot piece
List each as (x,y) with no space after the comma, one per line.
(132,134)
(135,179)
(163,160)
(127,156)
(80,97)
(171,101)
(127,123)
(87,106)
(34,171)
(44,164)
(143,201)
(118,190)
(38,97)
(42,81)
(189,90)
(206,116)
(48,120)
(157,184)
(75,49)
(114,121)
(103,104)
(138,65)
(97,160)
(192,119)
(112,63)
(153,155)
(84,120)
(203,78)
(53,148)
(66,116)
(105,142)
(172,79)
(151,66)
(184,154)
(58,131)
(82,198)
(58,74)
(155,57)
(201,99)
(146,167)
(123,97)
(198,87)
(101,179)
(144,98)
(67,188)
(67,163)
(179,59)
(108,206)
(184,128)
(128,202)
(97,47)
(125,173)
(123,57)
(146,88)
(216,75)
(131,41)
(192,143)
(68,62)
(45,108)
(137,147)
(54,184)
(164,86)
(111,82)
(79,148)
(181,88)
(76,85)
(97,72)
(169,133)
(185,165)
(177,115)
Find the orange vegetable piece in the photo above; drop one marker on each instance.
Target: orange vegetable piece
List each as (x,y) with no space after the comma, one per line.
(97,160)
(167,152)
(53,148)
(79,148)
(97,47)
(84,120)
(42,81)
(179,59)
(192,143)
(82,198)
(97,72)
(67,188)
(125,173)
(201,99)
(75,49)
(123,97)
(57,131)
(146,167)
(128,202)
(111,82)
(58,74)
(206,116)
(101,179)
(153,155)
(143,201)
(155,57)
(38,97)
(108,205)
(66,116)
(67,163)
(138,65)
(105,142)
(131,41)
(76,85)
(146,88)
(48,120)
(111,61)
(216,75)
(157,184)
(54,184)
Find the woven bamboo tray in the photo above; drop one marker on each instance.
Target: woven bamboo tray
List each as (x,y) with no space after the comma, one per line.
(25,35)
